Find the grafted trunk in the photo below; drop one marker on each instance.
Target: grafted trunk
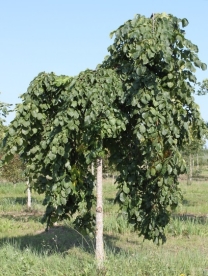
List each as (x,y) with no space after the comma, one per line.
(99,217)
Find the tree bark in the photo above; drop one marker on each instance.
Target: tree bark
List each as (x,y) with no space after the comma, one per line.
(197,161)
(189,180)
(99,217)
(92,168)
(28,195)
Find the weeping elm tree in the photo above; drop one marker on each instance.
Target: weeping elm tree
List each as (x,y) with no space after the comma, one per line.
(137,105)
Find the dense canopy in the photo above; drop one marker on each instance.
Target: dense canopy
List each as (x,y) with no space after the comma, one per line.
(137,104)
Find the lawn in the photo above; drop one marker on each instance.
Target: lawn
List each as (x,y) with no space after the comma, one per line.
(27,249)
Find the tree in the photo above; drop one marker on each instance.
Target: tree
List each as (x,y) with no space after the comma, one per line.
(4,110)
(137,105)
(14,170)
(156,64)
(191,149)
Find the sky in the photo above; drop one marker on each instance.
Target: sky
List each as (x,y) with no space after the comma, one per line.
(67,37)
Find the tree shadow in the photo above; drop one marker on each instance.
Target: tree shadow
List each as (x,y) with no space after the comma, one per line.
(191,217)
(59,239)
(26,216)
(110,200)
(19,200)
(186,202)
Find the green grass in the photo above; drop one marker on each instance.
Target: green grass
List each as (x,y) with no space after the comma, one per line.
(26,249)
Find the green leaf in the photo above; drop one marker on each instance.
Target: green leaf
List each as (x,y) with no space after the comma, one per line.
(145,59)
(61,151)
(66,185)
(54,188)
(142,128)
(198,63)
(170,76)
(13,149)
(63,200)
(184,22)
(153,171)
(136,55)
(12,131)
(43,144)
(122,197)
(126,189)
(34,113)
(65,139)
(51,156)
(25,131)
(39,116)
(160,183)
(169,169)
(158,147)
(158,167)
(111,34)
(67,165)
(19,141)
(170,84)
(56,122)
(54,149)
(203,66)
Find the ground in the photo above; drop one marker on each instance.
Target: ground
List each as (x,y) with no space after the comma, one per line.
(27,249)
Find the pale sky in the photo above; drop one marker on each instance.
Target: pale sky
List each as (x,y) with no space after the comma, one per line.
(67,37)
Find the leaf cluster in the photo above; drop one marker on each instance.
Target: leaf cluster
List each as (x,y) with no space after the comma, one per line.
(4,110)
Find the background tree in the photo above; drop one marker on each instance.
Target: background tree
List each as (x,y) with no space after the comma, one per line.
(191,154)
(12,172)
(203,87)
(4,111)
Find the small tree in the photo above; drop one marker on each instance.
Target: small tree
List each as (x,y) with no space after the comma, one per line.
(13,171)
(137,104)
(189,151)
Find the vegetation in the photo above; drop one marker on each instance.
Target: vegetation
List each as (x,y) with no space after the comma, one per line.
(12,171)
(27,249)
(137,104)
(203,87)
(4,110)
(137,107)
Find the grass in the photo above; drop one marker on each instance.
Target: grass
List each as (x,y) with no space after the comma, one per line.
(26,249)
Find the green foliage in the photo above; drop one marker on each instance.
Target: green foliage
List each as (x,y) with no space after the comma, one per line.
(203,87)
(4,110)
(55,136)
(137,105)
(14,170)
(156,64)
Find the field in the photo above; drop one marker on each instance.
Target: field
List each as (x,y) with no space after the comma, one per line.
(27,249)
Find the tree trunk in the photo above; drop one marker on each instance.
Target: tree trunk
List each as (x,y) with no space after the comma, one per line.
(191,169)
(113,179)
(197,162)
(28,195)
(99,217)
(92,168)
(189,180)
